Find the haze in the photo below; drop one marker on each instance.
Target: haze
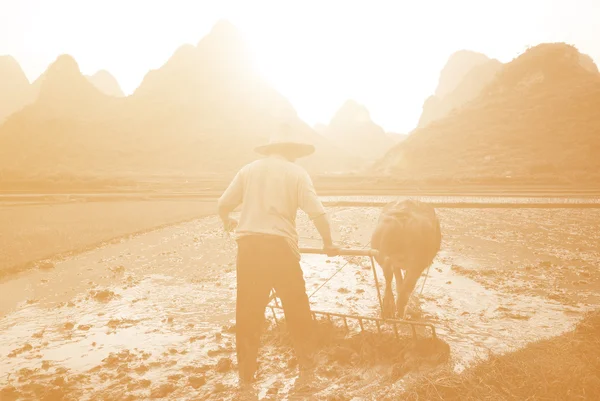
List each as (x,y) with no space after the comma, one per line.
(383,54)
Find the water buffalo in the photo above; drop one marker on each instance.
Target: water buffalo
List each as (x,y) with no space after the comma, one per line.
(408,238)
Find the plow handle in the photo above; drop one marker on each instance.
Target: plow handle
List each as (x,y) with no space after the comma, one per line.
(342,252)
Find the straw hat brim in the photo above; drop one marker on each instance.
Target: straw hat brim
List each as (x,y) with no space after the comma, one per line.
(287,148)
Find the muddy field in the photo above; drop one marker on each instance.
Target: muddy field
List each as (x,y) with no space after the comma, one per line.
(30,231)
(153,316)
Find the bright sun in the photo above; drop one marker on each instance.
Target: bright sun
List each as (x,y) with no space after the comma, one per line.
(319,58)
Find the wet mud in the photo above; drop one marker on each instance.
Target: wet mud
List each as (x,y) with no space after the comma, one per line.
(153,317)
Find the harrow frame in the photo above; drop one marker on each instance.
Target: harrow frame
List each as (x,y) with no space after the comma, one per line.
(371,253)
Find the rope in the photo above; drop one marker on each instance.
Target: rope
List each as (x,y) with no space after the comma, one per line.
(273,295)
(334,274)
(424,280)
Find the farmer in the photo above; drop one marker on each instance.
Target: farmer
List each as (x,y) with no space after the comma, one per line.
(271,190)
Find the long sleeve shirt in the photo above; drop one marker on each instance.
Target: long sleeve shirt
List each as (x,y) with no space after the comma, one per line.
(271,190)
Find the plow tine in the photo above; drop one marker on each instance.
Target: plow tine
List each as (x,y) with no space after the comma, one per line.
(376,282)
(329,316)
(371,254)
(274,316)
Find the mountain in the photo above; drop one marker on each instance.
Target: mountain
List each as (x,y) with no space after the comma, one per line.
(106,83)
(463,77)
(467,89)
(352,129)
(396,138)
(538,119)
(457,67)
(221,108)
(66,130)
(14,87)
(202,112)
(588,63)
(62,85)
(63,94)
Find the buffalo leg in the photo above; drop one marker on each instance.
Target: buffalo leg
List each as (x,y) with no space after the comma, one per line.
(399,281)
(388,297)
(408,285)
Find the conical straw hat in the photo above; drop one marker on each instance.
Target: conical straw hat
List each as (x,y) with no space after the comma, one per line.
(287,138)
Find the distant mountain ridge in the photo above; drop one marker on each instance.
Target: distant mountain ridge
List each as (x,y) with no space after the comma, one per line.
(16,91)
(202,112)
(457,67)
(106,83)
(14,87)
(461,80)
(353,129)
(206,108)
(537,119)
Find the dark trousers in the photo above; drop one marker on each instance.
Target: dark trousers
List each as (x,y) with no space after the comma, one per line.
(263,263)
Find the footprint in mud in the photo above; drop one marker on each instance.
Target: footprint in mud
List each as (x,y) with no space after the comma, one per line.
(219,351)
(114,360)
(224,365)
(103,296)
(509,314)
(121,323)
(117,269)
(197,338)
(196,381)
(9,393)
(68,326)
(163,390)
(38,334)
(219,387)
(34,384)
(25,348)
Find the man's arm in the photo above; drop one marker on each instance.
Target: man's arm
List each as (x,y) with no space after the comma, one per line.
(324,229)
(231,198)
(310,203)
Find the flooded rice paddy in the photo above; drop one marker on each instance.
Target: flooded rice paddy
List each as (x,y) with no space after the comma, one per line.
(153,316)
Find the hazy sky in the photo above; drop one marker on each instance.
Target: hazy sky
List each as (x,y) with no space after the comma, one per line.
(384,54)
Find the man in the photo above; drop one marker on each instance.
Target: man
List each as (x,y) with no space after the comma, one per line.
(271,190)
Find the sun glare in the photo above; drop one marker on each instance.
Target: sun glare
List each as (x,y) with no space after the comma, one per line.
(386,55)
(321,59)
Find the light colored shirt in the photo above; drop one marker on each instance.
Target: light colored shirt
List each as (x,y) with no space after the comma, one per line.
(271,190)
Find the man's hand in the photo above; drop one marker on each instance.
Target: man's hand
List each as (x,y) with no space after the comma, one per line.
(331,250)
(322,225)
(229,224)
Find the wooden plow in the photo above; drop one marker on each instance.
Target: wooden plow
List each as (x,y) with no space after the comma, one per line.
(379,323)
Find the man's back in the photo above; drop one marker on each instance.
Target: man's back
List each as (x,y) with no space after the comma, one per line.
(271,190)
